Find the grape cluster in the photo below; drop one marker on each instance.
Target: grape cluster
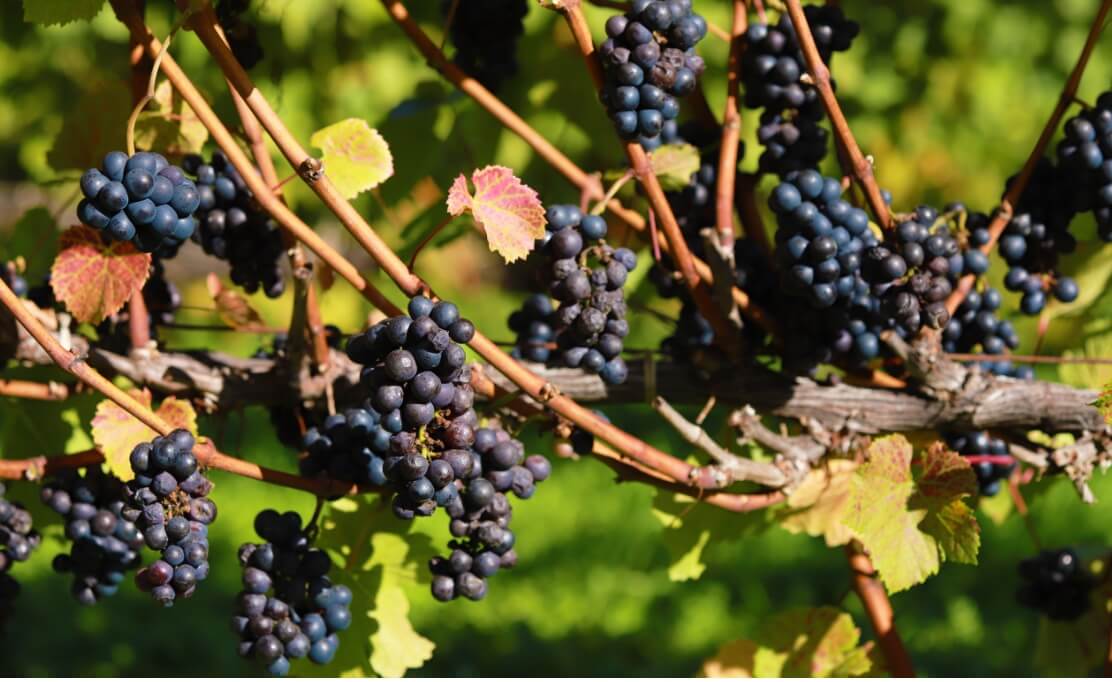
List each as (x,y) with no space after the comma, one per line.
(105,544)
(1055,583)
(289,608)
(773,66)
(772,71)
(990,475)
(494,466)
(141,199)
(585,275)
(16,282)
(17,541)
(1086,153)
(349,446)
(420,401)
(241,34)
(233,227)
(168,501)
(1035,237)
(485,34)
(649,61)
(975,323)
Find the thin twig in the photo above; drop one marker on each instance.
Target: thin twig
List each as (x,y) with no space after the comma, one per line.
(142,89)
(860,168)
(32,390)
(735,467)
(1011,198)
(875,600)
(448,218)
(1033,359)
(731,129)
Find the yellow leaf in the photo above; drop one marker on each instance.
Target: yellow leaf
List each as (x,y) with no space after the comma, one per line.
(116,432)
(355,156)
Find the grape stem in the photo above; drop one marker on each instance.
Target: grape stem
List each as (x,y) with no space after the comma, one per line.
(874,598)
(203,24)
(731,129)
(1003,213)
(32,390)
(860,167)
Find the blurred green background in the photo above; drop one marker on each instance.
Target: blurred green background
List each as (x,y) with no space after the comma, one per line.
(948,95)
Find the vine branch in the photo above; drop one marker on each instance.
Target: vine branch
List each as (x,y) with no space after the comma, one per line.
(875,600)
(860,167)
(731,129)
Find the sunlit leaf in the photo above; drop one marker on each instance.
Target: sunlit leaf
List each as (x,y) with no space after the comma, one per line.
(910,526)
(169,125)
(94,276)
(674,164)
(821,642)
(509,211)
(818,505)
(356,158)
(116,432)
(51,12)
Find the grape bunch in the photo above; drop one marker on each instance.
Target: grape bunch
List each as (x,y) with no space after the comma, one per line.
(990,475)
(233,227)
(1055,583)
(289,608)
(17,541)
(141,199)
(792,141)
(773,67)
(348,446)
(241,34)
(10,276)
(585,275)
(168,501)
(419,394)
(1035,237)
(105,544)
(649,62)
(493,467)
(485,34)
(1086,154)
(975,323)
(772,71)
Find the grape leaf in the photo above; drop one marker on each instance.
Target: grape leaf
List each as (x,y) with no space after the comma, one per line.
(381,556)
(1103,403)
(996,507)
(233,308)
(820,642)
(94,276)
(818,505)
(910,526)
(116,432)
(674,164)
(170,126)
(28,239)
(689,525)
(509,211)
(51,12)
(355,156)
(95,126)
(1088,376)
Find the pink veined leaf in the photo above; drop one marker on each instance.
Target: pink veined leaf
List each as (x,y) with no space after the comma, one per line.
(94,277)
(505,208)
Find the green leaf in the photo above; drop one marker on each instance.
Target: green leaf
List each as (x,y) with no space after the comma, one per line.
(996,507)
(910,526)
(31,238)
(689,526)
(1089,376)
(355,156)
(169,125)
(96,125)
(818,505)
(381,556)
(51,12)
(674,164)
(820,642)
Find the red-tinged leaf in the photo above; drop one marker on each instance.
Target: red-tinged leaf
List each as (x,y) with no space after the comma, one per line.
(945,473)
(116,432)
(509,211)
(93,276)
(233,308)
